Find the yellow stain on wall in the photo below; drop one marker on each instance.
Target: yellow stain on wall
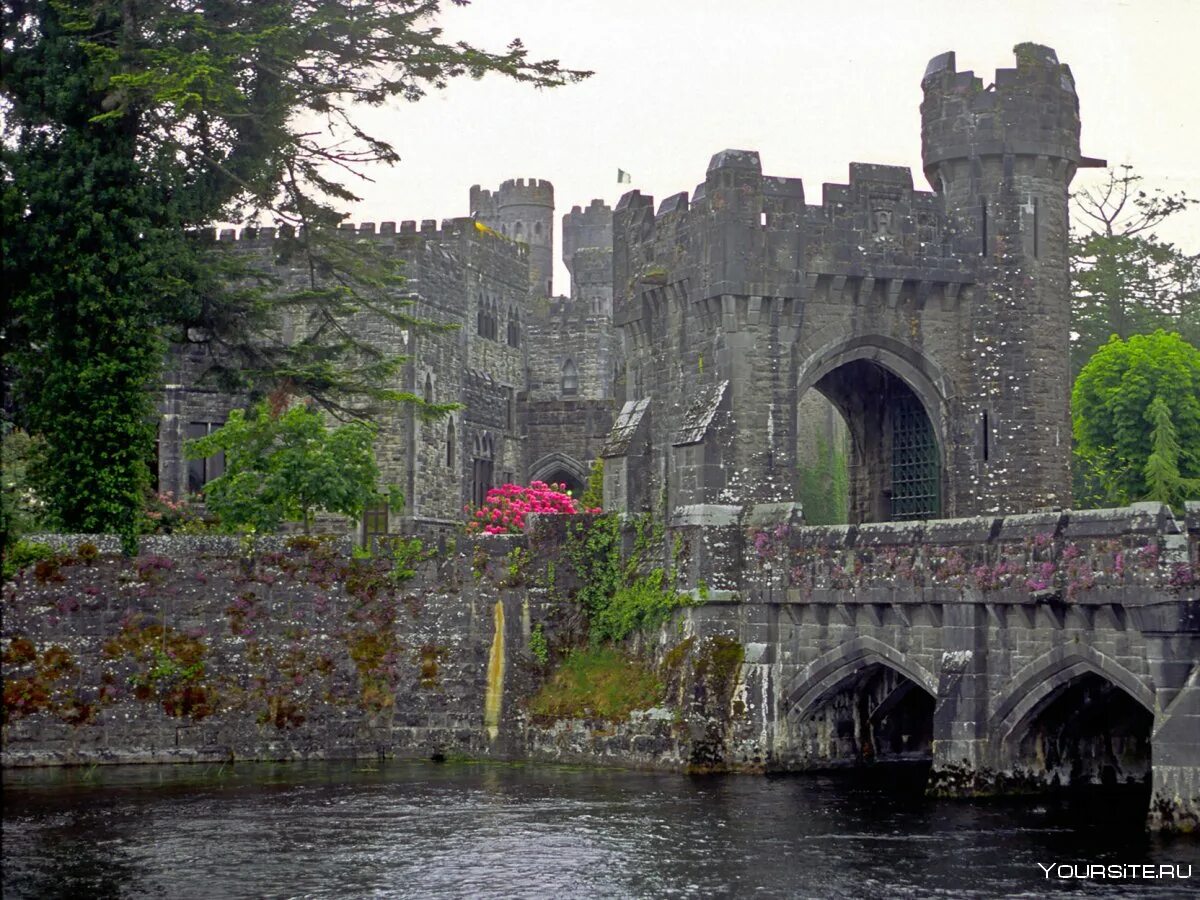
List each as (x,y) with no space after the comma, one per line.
(495,677)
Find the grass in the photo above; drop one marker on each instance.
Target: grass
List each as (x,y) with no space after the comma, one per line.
(600,682)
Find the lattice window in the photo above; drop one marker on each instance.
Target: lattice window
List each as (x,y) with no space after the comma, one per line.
(916,471)
(375,523)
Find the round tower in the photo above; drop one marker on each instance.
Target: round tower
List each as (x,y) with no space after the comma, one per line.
(1002,156)
(525,210)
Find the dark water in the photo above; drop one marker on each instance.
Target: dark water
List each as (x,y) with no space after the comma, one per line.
(462,830)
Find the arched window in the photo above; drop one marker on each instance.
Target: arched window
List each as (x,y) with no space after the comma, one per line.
(537,228)
(428,395)
(570,379)
(481,468)
(518,232)
(450,444)
(481,320)
(514,328)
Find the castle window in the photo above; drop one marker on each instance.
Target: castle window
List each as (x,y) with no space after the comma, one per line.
(1035,227)
(450,444)
(202,471)
(518,232)
(514,329)
(481,468)
(428,396)
(983,223)
(537,228)
(570,379)
(374,524)
(488,320)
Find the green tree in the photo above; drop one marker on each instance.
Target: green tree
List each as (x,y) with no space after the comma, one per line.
(289,467)
(1136,409)
(1124,279)
(1163,479)
(132,125)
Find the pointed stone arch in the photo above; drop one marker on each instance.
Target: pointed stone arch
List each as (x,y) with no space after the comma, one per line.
(824,675)
(552,466)
(896,404)
(570,378)
(922,375)
(1039,682)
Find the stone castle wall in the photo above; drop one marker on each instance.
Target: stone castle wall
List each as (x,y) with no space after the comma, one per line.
(205,648)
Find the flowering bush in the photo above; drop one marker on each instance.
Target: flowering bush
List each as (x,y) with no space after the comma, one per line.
(506,507)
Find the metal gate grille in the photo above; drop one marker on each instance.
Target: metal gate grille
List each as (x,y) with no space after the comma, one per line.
(916,475)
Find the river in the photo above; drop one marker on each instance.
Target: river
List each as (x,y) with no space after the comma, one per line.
(410,829)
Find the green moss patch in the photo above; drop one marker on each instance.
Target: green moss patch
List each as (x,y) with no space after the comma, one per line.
(599,682)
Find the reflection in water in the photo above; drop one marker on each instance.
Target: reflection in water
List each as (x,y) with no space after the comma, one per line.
(421,830)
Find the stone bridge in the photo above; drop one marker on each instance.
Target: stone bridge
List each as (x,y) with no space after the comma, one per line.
(1016,653)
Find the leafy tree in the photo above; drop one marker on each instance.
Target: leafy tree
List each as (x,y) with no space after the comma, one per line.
(287,467)
(130,126)
(1161,471)
(1125,280)
(1136,409)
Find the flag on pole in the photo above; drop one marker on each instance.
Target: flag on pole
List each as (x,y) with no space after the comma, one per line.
(624,177)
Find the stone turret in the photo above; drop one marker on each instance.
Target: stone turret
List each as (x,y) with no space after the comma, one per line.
(1001,157)
(523,210)
(587,252)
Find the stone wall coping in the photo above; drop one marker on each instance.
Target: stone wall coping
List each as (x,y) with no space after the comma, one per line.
(183,545)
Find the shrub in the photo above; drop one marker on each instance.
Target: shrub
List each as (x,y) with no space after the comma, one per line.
(22,554)
(506,508)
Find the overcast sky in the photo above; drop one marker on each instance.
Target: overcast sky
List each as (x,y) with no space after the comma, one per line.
(812,85)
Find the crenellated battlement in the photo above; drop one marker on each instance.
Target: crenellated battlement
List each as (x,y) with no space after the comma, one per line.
(449,230)
(1029,110)
(589,228)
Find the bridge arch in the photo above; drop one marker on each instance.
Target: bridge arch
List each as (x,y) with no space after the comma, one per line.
(1035,685)
(895,402)
(1075,717)
(813,684)
(561,468)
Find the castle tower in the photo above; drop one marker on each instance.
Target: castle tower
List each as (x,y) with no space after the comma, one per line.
(1001,157)
(523,210)
(587,237)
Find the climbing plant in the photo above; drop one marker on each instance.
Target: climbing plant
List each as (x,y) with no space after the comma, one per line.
(620,595)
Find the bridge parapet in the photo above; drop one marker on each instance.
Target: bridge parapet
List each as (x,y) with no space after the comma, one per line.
(1083,557)
(1037,649)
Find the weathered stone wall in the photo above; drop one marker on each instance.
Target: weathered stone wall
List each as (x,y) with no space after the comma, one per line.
(194,651)
(563,437)
(455,275)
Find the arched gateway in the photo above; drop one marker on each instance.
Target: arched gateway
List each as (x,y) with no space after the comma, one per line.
(936,322)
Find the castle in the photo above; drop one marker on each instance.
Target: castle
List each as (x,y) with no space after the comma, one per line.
(532,373)
(936,323)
